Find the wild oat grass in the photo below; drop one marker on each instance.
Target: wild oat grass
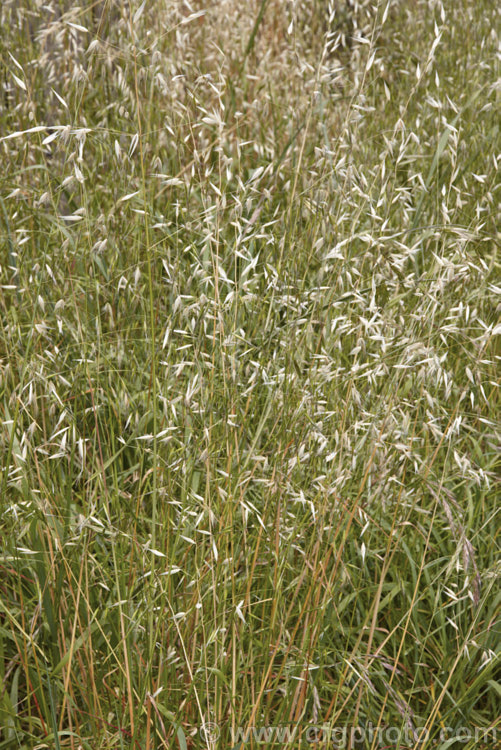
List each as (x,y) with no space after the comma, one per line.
(248,373)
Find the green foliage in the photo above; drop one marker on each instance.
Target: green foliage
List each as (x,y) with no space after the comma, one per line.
(248,356)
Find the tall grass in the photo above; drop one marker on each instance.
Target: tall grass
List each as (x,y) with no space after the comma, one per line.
(248,373)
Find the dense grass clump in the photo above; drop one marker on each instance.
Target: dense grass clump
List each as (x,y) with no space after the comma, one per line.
(248,374)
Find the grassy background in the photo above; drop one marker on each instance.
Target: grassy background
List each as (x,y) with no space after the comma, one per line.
(248,371)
